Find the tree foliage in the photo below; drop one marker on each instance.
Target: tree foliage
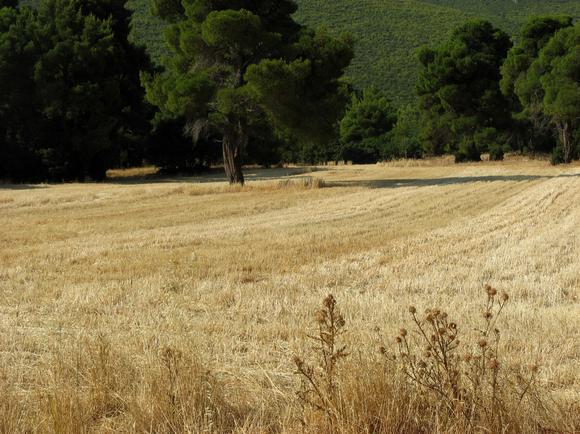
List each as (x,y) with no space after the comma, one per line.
(560,81)
(520,85)
(364,130)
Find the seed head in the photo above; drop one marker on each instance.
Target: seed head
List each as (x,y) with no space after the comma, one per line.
(398,339)
(494,364)
(504,296)
(329,302)
(403,332)
(487,315)
(482,343)
(412,309)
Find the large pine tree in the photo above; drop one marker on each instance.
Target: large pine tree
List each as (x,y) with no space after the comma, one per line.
(235,63)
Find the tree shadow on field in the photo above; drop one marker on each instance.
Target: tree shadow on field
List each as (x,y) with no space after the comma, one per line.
(10,187)
(423,182)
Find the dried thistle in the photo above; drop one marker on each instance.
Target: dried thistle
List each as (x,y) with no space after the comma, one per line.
(319,389)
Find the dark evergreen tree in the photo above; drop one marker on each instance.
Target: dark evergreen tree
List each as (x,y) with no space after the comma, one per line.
(461,104)
(87,80)
(525,93)
(365,127)
(73,99)
(238,63)
(559,63)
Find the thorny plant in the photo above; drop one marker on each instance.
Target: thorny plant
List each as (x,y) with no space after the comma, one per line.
(319,382)
(468,380)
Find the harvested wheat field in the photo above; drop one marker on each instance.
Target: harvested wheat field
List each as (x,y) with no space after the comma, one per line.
(180,305)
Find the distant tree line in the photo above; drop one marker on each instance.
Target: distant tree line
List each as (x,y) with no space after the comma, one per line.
(243,83)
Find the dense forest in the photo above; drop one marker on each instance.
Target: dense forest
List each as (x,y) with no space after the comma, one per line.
(184,85)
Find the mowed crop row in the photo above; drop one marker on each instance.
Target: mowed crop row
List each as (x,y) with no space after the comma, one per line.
(233,276)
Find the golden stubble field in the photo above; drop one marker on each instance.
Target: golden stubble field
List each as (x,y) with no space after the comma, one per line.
(100,282)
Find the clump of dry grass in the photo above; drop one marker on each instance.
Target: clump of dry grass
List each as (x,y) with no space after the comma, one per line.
(423,162)
(180,394)
(305,182)
(134,172)
(101,389)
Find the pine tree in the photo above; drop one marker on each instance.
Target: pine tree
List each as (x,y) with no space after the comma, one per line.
(235,63)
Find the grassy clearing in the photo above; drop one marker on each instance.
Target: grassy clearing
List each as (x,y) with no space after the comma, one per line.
(178,305)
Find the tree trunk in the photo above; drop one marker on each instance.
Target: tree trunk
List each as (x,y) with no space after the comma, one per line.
(566,139)
(233,144)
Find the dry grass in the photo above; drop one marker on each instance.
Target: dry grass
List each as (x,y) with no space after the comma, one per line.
(178,305)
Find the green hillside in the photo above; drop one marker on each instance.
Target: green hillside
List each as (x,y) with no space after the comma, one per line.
(387,31)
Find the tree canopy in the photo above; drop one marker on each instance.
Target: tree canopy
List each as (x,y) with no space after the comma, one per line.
(365,127)
(560,80)
(523,90)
